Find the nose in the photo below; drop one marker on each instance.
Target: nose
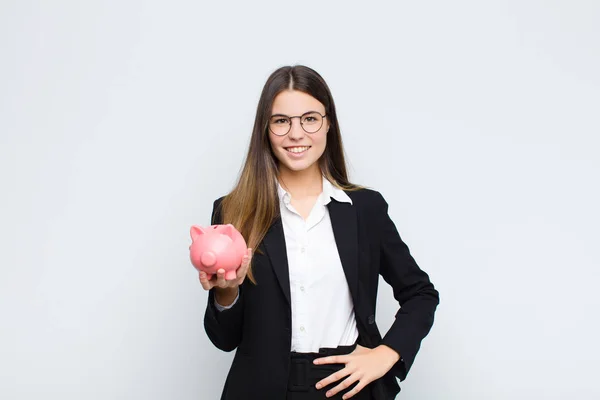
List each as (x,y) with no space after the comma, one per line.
(296,131)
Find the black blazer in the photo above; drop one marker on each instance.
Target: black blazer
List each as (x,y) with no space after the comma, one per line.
(259,324)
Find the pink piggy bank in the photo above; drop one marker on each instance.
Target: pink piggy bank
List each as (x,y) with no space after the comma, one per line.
(216,247)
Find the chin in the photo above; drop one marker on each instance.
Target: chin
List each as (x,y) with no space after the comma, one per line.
(296,167)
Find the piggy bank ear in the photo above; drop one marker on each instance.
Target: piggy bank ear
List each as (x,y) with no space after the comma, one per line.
(227,230)
(196,231)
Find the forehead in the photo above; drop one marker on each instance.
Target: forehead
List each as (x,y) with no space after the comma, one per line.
(294,102)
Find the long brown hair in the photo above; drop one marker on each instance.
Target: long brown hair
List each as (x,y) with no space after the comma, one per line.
(253,204)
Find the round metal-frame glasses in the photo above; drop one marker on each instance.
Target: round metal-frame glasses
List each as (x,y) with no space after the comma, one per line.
(311,122)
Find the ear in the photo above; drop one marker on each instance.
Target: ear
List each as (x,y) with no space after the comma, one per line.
(196,231)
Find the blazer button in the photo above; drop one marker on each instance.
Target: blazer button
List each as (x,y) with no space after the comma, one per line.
(371,319)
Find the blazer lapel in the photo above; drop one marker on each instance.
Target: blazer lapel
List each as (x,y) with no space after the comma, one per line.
(345,231)
(274,242)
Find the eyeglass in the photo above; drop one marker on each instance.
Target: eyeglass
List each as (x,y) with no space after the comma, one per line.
(310,122)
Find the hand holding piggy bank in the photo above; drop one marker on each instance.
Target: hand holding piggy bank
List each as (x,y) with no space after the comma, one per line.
(217,247)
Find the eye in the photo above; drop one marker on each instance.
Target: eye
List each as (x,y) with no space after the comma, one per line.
(280,121)
(310,119)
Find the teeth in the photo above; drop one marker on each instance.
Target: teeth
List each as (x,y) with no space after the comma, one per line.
(297,149)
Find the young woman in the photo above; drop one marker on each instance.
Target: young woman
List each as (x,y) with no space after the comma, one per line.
(301,311)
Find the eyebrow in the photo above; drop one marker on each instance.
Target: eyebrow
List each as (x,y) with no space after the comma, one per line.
(284,115)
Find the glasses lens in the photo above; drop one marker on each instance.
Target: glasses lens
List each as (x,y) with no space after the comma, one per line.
(312,122)
(279,125)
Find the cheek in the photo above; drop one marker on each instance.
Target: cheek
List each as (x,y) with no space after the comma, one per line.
(276,147)
(275,143)
(320,142)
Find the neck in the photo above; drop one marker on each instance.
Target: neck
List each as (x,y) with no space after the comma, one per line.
(308,182)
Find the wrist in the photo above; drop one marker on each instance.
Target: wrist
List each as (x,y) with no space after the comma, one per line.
(390,354)
(226,290)
(225,296)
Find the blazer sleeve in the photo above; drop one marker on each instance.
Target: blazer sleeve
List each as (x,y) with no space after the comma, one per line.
(224,328)
(416,295)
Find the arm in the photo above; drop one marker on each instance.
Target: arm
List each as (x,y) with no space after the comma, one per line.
(413,290)
(223,327)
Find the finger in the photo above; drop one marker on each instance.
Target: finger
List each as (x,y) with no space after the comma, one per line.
(243,270)
(221,282)
(336,376)
(345,384)
(204,281)
(247,258)
(241,273)
(355,389)
(331,360)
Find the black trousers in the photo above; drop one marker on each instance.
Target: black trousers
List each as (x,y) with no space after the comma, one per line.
(304,375)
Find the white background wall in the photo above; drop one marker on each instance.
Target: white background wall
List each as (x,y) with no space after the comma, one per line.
(121,122)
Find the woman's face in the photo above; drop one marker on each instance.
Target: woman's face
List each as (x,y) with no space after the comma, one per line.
(298,150)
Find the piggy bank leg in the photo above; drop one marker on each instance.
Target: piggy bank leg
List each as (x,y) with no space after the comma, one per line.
(230,274)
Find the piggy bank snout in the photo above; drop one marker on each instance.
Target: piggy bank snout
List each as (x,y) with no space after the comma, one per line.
(208,258)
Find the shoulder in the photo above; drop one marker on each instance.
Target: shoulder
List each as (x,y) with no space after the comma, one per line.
(215,217)
(218,202)
(371,208)
(369,203)
(367,198)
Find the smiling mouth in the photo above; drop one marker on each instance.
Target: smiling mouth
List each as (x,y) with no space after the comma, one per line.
(297,149)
